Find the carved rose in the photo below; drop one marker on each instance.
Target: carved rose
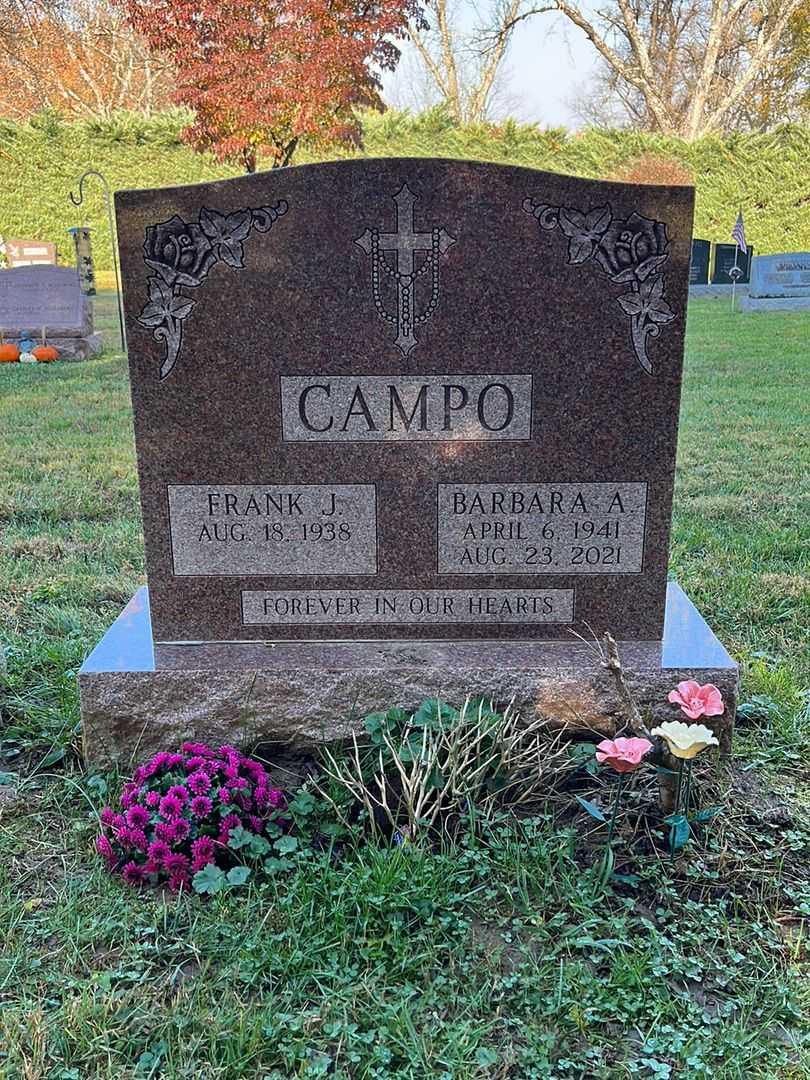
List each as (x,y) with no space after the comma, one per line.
(632,249)
(629,250)
(182,254)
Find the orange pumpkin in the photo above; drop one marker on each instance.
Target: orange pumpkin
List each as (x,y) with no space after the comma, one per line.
(45,354)
(9,354)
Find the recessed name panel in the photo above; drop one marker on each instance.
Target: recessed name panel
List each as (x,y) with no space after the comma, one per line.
(541,528)
(403,408)
(274,529)
(379,607)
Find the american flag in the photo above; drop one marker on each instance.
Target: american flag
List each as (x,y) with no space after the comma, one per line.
(738,232)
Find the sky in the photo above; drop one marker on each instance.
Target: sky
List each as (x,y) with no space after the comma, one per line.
(548,64)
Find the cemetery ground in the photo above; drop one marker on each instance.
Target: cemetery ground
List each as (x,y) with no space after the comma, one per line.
(494,956)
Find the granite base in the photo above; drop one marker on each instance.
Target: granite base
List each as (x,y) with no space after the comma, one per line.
(775,303)
(138,696)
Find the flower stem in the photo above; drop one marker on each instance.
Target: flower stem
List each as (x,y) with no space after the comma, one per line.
(688,791)
(679,786)
(615,813)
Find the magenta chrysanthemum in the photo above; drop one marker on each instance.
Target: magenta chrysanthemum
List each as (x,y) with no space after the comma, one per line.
(104,848)
(132,873)
(158,850)
(199,782)
(171,825)
(137,817)
(201,806)
(170,806)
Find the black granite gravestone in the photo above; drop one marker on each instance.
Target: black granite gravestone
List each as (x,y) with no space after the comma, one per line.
(724,256)
(699,263)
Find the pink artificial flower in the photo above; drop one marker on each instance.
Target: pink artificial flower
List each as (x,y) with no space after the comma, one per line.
(199,782)
(622,755)
(170,806)
(201,806)
(696,700)
(137,817)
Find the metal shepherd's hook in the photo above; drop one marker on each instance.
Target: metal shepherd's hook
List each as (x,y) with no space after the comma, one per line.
(111,223)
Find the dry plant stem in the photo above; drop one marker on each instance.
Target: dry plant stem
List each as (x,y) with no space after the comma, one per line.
(477,746)
(666,782)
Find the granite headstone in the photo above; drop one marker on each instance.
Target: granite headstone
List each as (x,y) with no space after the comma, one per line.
(405,399)
(412,424)
(30,253)
(725,256)
(37,296)
(49,297)
(699,263)
(784,276)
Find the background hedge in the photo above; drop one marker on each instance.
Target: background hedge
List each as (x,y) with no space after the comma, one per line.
(768,175)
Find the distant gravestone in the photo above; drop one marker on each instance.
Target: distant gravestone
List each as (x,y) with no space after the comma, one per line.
(699,263)
(724,257)
(393,416)
(37,296)
(49,297)
(785,275)
(30,253)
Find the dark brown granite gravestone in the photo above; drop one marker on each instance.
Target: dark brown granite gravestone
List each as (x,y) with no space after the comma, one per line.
(413,424)
(405,399)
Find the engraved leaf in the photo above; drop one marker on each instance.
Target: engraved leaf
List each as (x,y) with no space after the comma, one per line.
(572,222)
(646,268)
(660,312)
(580,248)
(631,303)
(159,291)
(181,307)
(212,223)
(152,315)
(232,252)
(597,220)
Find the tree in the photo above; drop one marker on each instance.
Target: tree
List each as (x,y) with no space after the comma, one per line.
(463,75)
(81,59)
(261,75)
(682,67)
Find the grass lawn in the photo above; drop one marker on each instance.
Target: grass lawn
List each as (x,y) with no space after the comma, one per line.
(496,957)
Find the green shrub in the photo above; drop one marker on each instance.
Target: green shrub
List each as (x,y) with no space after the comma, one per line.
(43,158)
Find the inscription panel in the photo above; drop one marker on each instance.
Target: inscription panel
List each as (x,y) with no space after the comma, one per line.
(541,528)
(403,408)
(273,529)
(392,607)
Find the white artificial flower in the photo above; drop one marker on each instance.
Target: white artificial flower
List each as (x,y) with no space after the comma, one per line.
(685,740)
